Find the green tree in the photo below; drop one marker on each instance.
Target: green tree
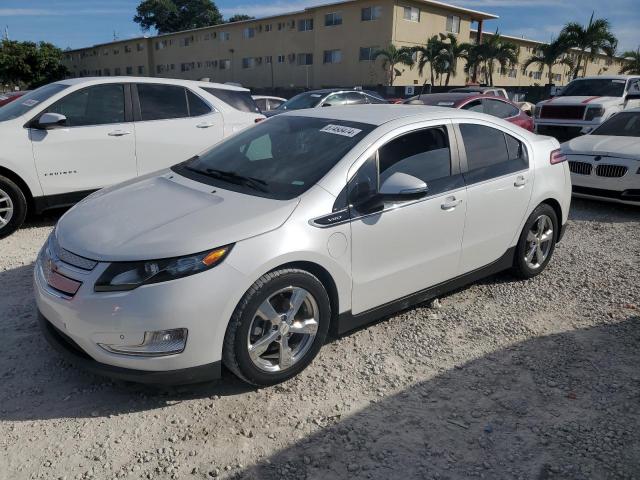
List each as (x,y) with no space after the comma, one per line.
(496,49)
(239,17)
(631,62)
(30,64)
(452,52)
(590,40)
(429,54)
(551,54)
(174,15)
(392,56)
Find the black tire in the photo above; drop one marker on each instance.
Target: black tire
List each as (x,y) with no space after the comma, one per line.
(520,266)
(19,203)
(235,353)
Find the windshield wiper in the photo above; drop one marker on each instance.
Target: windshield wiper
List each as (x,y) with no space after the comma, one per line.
(234,177)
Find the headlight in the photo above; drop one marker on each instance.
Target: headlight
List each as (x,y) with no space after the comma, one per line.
(593,112)
(122,276)
(536,111)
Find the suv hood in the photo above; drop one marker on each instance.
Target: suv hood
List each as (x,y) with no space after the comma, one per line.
(165,215)
(582,101)
(604,145)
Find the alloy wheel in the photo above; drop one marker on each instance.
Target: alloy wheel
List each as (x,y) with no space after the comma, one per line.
(283,329)
(539,242)
(6,208)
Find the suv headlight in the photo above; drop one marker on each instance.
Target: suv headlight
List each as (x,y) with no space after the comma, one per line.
(593,112)
(123,276)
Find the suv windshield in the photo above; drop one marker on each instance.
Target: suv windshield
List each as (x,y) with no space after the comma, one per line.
(280,158)
(597,87)
(624,124)
(302,100)
(27,102)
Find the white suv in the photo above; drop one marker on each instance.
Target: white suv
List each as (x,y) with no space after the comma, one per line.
(66,139)
(314,220)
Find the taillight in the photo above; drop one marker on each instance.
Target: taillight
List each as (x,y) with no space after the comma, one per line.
(557,157)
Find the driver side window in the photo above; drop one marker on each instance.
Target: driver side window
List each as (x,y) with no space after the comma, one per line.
(98,105)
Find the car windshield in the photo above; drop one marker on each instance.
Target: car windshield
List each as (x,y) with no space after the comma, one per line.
(624,124)
(27,102)
(302,100)
(280,158)
(597,87)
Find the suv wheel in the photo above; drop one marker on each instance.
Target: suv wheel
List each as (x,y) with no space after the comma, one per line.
(537,242)
(13,207)
(277,328)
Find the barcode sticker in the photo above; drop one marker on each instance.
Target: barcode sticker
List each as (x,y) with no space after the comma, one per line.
(340,130)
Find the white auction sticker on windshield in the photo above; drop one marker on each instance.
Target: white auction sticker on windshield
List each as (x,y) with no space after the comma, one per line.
(619,81)
(340,130)
(30,103)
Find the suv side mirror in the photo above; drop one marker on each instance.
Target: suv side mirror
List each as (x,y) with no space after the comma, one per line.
(402,186)
(51,120)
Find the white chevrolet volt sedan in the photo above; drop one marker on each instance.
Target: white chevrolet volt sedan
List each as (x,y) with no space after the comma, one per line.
(310,223)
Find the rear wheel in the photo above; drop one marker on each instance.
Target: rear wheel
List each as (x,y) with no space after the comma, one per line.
(537,242)
(13,207)
(278,327)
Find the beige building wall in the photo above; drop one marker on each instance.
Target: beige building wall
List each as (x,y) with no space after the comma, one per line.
(269,52)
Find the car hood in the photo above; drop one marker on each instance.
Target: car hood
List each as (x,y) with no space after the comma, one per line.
(165,215)
(609,146)
(586,100)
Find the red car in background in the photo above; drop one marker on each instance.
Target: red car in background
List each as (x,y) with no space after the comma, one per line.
(9,97)
(489,104)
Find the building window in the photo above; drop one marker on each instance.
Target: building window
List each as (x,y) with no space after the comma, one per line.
(513,73)
(225,64)
(453,24)
(107,72)
(186,41)
(248,62)
(305,59)
(333,19)
(557,77)
(281,58)
(139,47)
(140,69)
(412,14)
(105,52)
(249,32)
(268,27)
(185,67)
(117,71)
(305,25)
(129,70)
(367,54)
(332,56)
(280,25)
(127,49)
(537,75)
(268,59)
(225,36)
(370,13)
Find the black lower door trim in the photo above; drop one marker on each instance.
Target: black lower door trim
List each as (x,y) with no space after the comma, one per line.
(61,200)
(347,321)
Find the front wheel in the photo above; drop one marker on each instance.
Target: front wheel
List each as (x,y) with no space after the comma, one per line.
(13,207)
(277,328)
(537,242)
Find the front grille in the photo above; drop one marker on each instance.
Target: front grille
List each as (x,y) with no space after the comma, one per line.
(68,257)
(581,168)
(563,112)
(611,171)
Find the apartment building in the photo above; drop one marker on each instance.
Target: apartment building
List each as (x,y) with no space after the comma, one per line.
(321,46)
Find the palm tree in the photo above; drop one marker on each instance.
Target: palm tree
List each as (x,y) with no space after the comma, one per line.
(392,56)
(551,54)
(452,52)
(493,50)
(591,40)
(631,62)
(429,54)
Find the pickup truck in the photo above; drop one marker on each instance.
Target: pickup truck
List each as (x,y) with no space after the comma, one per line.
(586,103)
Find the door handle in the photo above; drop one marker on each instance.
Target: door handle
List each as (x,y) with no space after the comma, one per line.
(205,125)
(119,133)
(521,181)
(450,203)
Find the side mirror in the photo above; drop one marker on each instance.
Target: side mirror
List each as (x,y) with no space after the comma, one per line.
(401,186)
(51,120)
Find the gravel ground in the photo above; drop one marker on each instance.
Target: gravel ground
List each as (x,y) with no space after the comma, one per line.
(502,380)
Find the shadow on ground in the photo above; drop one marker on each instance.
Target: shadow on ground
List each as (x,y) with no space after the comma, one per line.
(563,406)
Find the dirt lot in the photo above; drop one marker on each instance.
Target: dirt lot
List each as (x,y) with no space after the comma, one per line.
(501,380)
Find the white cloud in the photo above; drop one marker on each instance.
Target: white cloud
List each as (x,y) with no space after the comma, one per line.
(273,8)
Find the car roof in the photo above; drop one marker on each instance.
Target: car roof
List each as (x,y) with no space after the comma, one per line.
(168,81)
(379,114)
(447,97)
(607,77)
(473,89)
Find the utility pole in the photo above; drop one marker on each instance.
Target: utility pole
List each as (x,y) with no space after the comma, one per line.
(5,35)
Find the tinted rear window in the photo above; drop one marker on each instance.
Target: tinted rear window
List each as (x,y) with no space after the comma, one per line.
(159,102)
(238,99)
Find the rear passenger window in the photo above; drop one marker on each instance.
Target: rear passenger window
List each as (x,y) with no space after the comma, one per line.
(238,99)
(475,106)
(491,153)
(159,102)
(499,109)
(197,106)
(424,154)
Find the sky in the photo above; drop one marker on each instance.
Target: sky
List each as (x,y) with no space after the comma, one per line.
(81,23)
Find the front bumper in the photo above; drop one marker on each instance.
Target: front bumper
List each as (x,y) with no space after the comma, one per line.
(75,355)
(588,183)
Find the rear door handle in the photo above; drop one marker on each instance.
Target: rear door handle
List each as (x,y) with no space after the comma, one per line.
(119,133)
(450,203)
(521,181)
(205,125)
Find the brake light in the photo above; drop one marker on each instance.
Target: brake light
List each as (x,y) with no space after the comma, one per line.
(557,157)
